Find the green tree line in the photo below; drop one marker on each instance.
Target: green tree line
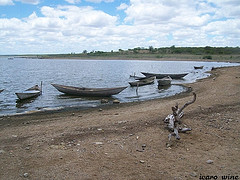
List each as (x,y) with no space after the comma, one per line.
(208,50)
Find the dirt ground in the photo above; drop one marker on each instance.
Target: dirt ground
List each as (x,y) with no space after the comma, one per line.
(128,141)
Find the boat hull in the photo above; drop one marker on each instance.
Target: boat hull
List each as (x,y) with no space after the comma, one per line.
(160,76)
(143,82)
(1,90)
(81,91)
(198,67)
(28,94)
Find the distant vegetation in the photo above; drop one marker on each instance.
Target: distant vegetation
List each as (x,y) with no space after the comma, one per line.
(209,53)
(189,50)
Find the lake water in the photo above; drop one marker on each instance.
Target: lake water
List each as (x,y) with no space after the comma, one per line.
(19,74)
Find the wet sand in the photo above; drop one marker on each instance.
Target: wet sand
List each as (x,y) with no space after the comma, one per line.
(128,141)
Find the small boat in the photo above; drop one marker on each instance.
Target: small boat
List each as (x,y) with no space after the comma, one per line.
(82,91)
(144,81)
(1,90)
(198,67)
(166,81)
(137,77)
(160,76)
(30,93)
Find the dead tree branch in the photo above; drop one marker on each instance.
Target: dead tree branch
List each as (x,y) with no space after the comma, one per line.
(173,119)
(188,103)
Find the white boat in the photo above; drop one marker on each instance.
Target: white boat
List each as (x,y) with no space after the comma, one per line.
(30,93)
(166,81)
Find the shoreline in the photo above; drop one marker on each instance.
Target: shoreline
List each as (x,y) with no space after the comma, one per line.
(149,59)
(235,58)
(107,143)
(102,105)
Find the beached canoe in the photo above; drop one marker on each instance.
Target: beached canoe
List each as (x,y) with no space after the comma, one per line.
(160,76)
(165,81)
(198,67)
(82,91)
(30,93)
(142,82)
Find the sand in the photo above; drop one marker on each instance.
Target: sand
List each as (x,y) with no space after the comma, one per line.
(128,141)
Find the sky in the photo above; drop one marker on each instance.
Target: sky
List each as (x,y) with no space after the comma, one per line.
(72,26)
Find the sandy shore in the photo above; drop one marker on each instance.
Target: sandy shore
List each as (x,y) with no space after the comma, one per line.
(128,141)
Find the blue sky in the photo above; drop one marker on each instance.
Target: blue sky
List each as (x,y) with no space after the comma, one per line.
(66,26)
(23,9)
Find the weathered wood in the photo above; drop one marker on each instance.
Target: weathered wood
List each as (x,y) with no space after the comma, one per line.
(188,103)
(173,119)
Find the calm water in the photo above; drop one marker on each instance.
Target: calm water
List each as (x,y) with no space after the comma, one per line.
(19,74)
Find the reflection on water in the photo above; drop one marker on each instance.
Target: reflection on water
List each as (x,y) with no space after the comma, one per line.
(22,103)
(18,74)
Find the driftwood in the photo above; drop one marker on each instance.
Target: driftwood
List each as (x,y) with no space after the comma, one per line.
(173,120)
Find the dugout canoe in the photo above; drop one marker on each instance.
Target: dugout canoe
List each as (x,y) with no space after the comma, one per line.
(82,91)
(160,76)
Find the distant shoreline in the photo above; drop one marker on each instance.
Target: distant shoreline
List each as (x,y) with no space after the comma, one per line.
(150,57)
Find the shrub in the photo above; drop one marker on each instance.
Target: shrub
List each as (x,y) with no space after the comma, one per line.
(207,57)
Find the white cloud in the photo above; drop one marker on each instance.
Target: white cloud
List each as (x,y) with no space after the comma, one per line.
(34,2)
(230,28)
(73,1)
(99,1)
(6,2)
(172,11)
(11,2)
(227,8)
(122,6)
(69,25)
(157,23)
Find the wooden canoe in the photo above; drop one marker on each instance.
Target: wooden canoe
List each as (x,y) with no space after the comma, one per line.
(198,67)
(160,76)
(137,77)
(30,93)
(82,91)
(142,82)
